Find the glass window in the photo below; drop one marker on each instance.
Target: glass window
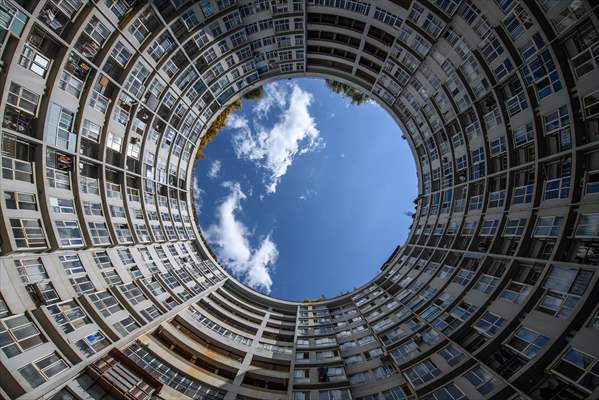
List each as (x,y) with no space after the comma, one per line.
(527,342)
(579,368)
(481,379)
(92,343)
(38,372)
(19,334)
(69,316)
(69,233)
(547,227)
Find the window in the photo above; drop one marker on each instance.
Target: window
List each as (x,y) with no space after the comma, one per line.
(563,288)
(547,227)
(481,379)
(34,61)
(579,368)
(105,303)
(23,99)
(337,394)
(19,334)
(489,324)
(69,316)
(92,208)
(92,343)
(125,326)
(448,392)
(71,264)
(70,84)
(99,233)
(20,201)
(515,292)
(422,372)
(139,30)
(31,270)
(82,284)
(28,233)
(523,194)
(527,342)
(514,227)
(452,355)
(523,135)
(489,227)
(62,206)
(587,226)
(69,233)
(121,54)
(558,188)
(91,130)
(97,30)
(556,121)
(38,372)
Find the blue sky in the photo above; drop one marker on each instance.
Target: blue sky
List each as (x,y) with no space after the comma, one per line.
(304,194)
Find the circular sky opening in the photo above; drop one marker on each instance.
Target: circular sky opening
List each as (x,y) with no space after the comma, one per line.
(303,193)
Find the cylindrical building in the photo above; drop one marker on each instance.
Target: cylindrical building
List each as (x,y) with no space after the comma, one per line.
(108,290)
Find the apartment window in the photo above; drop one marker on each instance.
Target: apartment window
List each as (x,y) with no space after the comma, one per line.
(540,71)
(590,103)
(487,283)
(70,84)
(72,264)
(69,233)
(422,372)
(547,227)
(34,61)
(558,188)
(62,206)
(557,121)
(527,342)
(19,334)
(514,227)
(139,30)
(82,284)
(125,326)
(523,194)
(489,324)
(563,288)
(451,355)
(337,394)
(105,303)
(20,201)
(447,392)
(69,316)
(489,227)
(579,368)
(120,54)
(31,270)
(387,18)
(587,226)
(481,379)
(523,135)
(92,343)
(23,98)
(91,130)
(28,233)
(99,233)
(91,208)
(40,371)
(515,292)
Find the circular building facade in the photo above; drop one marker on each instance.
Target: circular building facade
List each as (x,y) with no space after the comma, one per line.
(108,290)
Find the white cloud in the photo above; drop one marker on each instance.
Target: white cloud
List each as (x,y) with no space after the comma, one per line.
(275,94)
(231,240)
(198,192)
(214,169)
(275,148)
(308,193)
